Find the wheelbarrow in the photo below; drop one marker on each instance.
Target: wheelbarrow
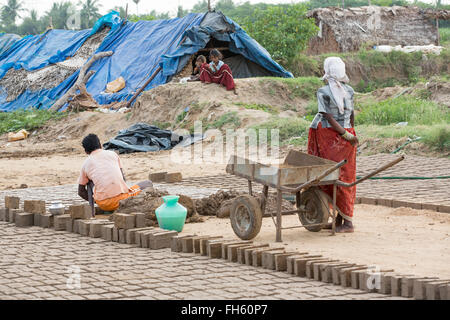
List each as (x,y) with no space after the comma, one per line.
(300,174)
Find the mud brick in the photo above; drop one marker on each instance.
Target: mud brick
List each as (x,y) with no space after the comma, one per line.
(419,289)
(396,285)
(77,225)
(122,236)
(145,237)
(107,231)
(12,202)
(157,177)
(290,261)
(203,242)
(385,283)
(444,292)
(124,221)
(140,219)
(414,205)
(444,209)
(371,201)
(197,243)
(115,234)
(69,224)
(309,266)
(300,264)
(85,227)
(398,204)
(336,273)
(354,278)
(34,206)
(268,259)
(130,234)
(60,222)
(214,248)
(365,276)
(281,260)
(241,251)
(95,230)
(247,253)
(326,271)
(23,220)
(432,289)
(232,251)
(46,220)
(345,275)
(428,206)
(187,244)
(37,219)
(357,200)
(317,269)
(141,236)
(12,215)
(408,286)
(226,245)
(257,256)
(82,211)
(384,202)
(3,213)
(176,245)
(174,177)
(161,240)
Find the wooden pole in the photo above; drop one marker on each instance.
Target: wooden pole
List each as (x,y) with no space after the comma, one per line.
(209,5)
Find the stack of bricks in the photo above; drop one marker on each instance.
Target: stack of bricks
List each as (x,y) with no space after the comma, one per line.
(11,209)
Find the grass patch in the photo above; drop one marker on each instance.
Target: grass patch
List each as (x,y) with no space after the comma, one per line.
(262,107)
(289,129)
(229,118)
(29,119)
(302,87)
(402,109)
(161,125)
(444,35)
(436,136)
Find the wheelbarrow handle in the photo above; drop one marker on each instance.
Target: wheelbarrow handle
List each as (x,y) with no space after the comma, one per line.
(315,180)
(370,175)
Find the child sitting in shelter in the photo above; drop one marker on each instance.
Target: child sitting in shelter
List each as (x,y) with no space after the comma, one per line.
(201,60)
(217,71)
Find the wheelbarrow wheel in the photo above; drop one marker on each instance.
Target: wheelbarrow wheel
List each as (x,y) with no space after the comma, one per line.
(246,217)
(314,201)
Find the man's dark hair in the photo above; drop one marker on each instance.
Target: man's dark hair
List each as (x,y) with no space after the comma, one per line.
(91,143)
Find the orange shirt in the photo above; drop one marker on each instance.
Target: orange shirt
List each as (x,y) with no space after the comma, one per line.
(103,168)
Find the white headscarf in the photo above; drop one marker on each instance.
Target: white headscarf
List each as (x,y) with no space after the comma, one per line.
(335,74)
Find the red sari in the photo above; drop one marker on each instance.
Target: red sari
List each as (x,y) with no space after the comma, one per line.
(223,76)
(328,144)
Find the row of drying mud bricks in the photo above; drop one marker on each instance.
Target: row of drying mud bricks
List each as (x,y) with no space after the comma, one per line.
(397,204)
(126,228)
(316,267)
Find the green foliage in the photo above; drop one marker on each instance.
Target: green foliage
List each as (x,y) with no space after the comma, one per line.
(229,118)
(26,119)
(444,35)
(282,30)
(438,137)
(181,117)
(402,109)
(262,107)
(89,13)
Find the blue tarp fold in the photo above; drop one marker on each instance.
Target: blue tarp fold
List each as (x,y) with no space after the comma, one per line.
(139,49)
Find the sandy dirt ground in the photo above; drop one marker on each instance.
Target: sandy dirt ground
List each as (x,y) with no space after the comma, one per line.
(406,240)
(64,169)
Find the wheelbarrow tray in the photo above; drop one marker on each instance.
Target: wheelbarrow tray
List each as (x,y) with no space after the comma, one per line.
(297,168)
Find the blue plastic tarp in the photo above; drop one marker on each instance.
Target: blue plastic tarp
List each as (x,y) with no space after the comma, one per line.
(139,49)
(7,40)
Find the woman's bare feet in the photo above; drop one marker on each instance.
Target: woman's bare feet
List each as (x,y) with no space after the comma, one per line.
(329,226)
(235,92)
(347,227)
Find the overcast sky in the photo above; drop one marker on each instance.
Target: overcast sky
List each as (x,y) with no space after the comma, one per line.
(145,5)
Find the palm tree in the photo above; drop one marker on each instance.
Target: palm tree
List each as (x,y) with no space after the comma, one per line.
(10,12)
(60,14)
(31,24)
(89,13)
(137,6)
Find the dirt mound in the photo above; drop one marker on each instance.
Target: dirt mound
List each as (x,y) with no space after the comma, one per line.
(256,102)
(150,200)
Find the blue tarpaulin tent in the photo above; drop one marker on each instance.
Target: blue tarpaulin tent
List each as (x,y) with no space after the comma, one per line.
(139,50)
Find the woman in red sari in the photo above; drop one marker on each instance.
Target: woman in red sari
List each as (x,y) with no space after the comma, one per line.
(217,71)
(332,136)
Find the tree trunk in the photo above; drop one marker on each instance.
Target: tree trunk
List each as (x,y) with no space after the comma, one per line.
(81,81)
